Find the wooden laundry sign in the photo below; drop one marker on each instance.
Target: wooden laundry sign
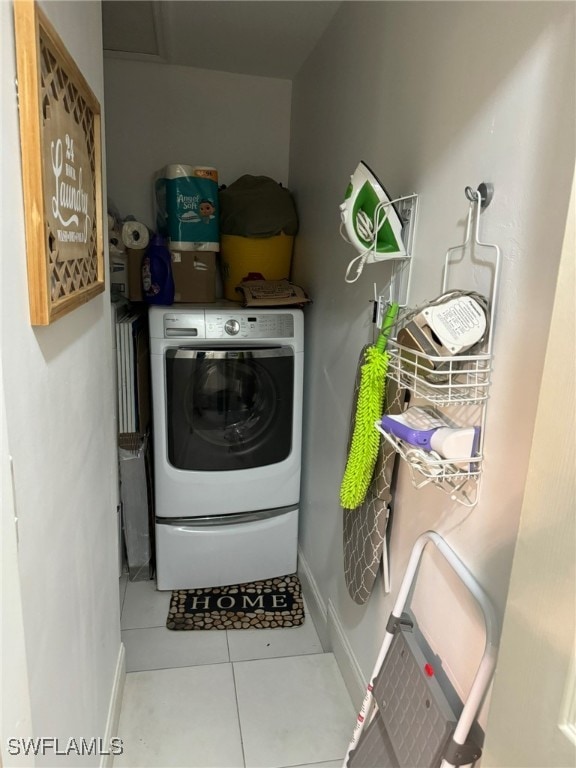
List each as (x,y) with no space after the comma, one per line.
(70,210)
(61,171)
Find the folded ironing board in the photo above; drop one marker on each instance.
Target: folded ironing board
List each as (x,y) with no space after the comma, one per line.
(365,527)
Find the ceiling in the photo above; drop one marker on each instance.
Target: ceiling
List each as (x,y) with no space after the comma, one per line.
(270,38)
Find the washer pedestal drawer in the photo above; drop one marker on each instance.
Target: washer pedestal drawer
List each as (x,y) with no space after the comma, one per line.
(231,549)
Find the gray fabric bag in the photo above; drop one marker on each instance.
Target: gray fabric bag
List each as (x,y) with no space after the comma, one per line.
(257,206)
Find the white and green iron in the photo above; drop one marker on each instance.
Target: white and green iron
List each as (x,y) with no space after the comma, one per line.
(372,223)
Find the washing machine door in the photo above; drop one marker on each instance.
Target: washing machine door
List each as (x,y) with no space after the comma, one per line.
(229,409)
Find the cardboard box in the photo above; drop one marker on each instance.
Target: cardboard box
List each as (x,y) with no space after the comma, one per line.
(135,273)
(119,275)
(194,276)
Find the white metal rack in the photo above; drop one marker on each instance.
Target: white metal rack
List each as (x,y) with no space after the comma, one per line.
(461,380)
(407,210)
(405,207)
(401,278)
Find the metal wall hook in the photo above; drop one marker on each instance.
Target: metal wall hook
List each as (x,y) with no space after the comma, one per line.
(485,191)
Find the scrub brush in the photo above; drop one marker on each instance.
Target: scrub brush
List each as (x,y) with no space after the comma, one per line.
(365,438)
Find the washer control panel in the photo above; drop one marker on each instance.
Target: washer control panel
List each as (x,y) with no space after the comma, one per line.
(216,324)
(249,326)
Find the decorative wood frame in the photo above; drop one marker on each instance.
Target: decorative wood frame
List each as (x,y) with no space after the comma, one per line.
(60,140)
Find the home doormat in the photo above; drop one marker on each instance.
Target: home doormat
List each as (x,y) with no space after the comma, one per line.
(268,604)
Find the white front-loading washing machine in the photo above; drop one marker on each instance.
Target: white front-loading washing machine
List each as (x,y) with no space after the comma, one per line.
(227,416)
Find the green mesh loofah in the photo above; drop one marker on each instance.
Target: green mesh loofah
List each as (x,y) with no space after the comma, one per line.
(365,438)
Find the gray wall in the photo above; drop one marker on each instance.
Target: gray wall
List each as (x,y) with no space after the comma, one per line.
(158,114)
(434,97)
(60,432)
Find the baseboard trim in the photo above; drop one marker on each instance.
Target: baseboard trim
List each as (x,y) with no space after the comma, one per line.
(347,663)
(113,718)
(331,633)
(314,602)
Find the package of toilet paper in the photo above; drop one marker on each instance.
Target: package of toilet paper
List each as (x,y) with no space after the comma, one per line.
(186,202)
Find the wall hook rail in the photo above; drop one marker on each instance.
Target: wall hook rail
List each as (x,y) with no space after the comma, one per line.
(485,191)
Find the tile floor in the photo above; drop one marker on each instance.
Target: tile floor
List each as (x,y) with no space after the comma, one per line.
(236,699)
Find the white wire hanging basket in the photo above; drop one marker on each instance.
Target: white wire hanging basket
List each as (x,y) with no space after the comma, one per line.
(448,381)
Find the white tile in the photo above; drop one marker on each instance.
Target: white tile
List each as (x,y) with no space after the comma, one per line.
(180,718)
(144,606)
(330,764)
(246,644)
(161,648)
(293,711)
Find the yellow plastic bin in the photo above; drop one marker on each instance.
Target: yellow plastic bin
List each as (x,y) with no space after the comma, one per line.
(253,257)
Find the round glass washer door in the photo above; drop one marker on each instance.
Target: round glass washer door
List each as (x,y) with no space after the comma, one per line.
(231,402)
(229,409)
